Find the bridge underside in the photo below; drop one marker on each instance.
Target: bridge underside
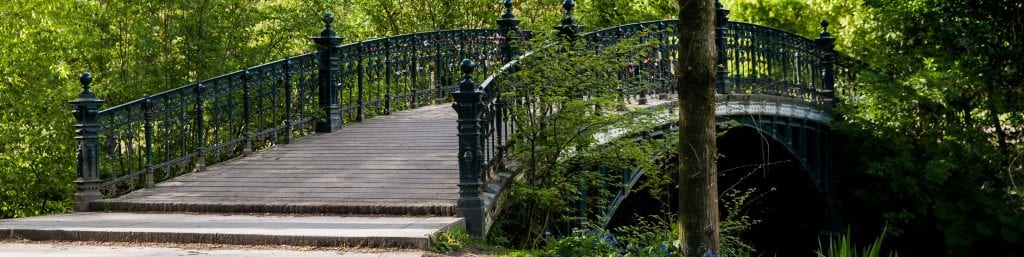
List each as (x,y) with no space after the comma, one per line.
(800,141)
(401,164)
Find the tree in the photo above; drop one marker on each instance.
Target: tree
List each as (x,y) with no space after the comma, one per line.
(698,189)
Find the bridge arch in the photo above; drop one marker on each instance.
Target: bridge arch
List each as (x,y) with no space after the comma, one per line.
(757,153)
(802,129)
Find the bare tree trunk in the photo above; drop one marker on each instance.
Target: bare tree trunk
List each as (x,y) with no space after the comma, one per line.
(698,189)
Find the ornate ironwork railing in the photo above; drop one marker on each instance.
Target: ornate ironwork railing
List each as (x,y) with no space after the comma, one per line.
(753,60)
(184,129)
(649,70)
(135,144)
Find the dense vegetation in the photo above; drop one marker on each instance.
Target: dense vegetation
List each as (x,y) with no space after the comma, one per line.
(930,142)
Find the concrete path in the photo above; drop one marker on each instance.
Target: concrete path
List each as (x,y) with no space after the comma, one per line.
(327,231)
(400,164)
(51,249)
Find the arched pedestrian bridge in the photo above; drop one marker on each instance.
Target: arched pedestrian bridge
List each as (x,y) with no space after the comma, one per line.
(367,128)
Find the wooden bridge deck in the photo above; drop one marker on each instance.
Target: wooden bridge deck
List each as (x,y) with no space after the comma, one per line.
(400,164)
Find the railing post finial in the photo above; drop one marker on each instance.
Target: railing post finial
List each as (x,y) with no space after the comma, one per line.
(328,18)
(468,105)
(86,80)
(467,75)
(87,128)
(508,10)
(327,73)
(568,27)
(824,29)
(506,25)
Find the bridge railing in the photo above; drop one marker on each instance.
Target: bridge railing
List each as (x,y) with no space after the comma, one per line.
(158,137)
(650,70)
(409,71)
(754,60)
(763,60)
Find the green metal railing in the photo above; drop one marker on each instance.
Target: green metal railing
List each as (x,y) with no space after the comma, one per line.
(753,60)
(158,137)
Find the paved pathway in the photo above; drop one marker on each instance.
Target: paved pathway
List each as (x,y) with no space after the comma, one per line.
(79,250)
(402,164)
(329,231)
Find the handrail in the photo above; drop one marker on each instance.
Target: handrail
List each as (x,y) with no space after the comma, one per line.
(758,59)
(184,129)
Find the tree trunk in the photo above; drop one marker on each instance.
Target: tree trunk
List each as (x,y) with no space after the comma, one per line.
(698,188)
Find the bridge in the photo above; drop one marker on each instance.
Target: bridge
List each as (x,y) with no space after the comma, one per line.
(368,128)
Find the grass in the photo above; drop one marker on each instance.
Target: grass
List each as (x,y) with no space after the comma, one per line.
(844,247)
(457,240)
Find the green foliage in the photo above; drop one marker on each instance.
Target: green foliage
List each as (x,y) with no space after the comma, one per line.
(852,23)
(376,18)
(37,42)
(607,13)
(570,97)
(736,222)
(581,243)
(844,247)
(649,237)
(600,243)
(454,240)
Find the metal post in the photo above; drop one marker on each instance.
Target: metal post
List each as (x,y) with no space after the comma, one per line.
(721,19)
(414,70)
(388,72)
(359,83)
(147,114)
(439,84)
(247,111)
(568,26)
(468,106)
(288,126)
(639,80)
(663,61)
(327,45)
(87,128)
(506,25)
(828,55)
(200,130)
